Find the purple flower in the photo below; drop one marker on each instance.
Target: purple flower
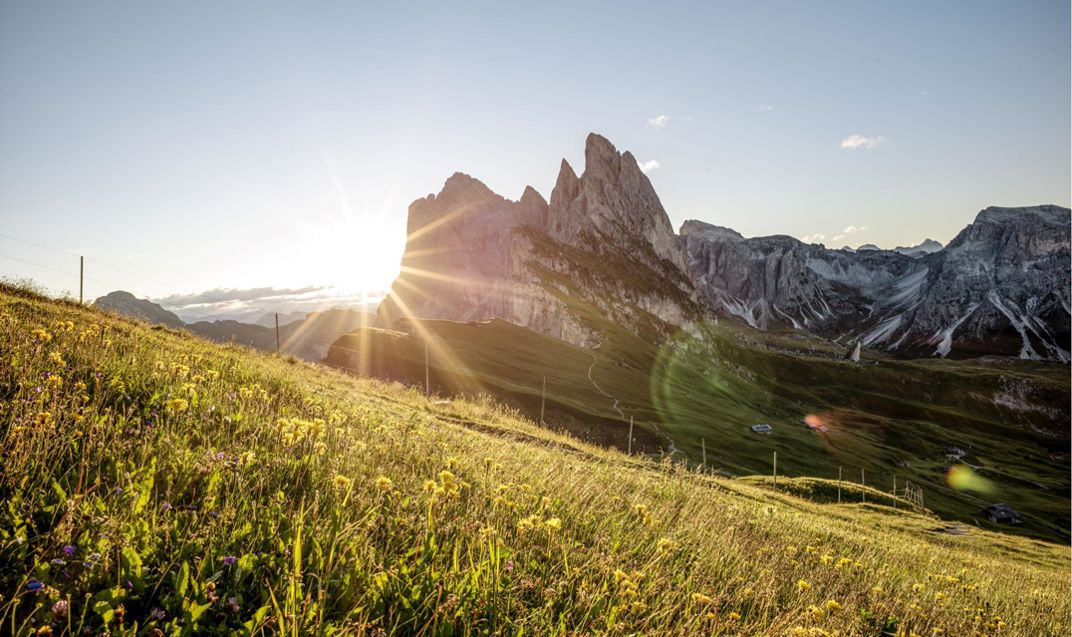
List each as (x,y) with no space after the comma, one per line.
(35,585)
(229,560)
(509,566)
(157,614)
(118,490)
(165,506)
(214,515)
(220,455)
(70,549)
(60,608)
(232,605)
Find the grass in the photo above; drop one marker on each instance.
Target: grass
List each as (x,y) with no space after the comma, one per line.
(889,418)
(157,484)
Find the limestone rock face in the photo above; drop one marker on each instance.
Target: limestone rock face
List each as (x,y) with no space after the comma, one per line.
(604,243)
(1000,287)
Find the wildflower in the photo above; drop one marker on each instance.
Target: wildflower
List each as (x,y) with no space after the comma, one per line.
(553,524)
(41,335)
(230,560)
(803,586)
(644,514)
(528,523)
(57,359)
(60,608)
(734,616)
(815,612)
(664,545)
(342,482)
(877,590)
(177,405)
(165,506)
(832,606)
(69,550)
(826,558)
(939,596)
(811,549)
(700,598)
(43,419)
(35,585)
(385,484)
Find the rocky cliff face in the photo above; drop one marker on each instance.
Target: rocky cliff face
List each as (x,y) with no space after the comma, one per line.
(1000,287)
(603,249)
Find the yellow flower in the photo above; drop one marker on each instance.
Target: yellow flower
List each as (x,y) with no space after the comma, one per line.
(803,586)
(528,523)
(877,590)
(41,335)
(553,524)
(815,612)
(832,606)
(734,617)
(342,482)
(383,483)
(176,405)
(811,549)
(664,544)
(644,514)
(57,359)
(700,598)
(826,559)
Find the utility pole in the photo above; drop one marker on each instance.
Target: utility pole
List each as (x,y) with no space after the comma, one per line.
(427,374)
(629,445)
(839,485)
(775,468)
(543,398)
(277,333)
(81,277)
(895,491)
(703,449)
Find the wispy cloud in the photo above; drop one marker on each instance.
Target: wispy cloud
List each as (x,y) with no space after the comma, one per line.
(764,108)
(850,230)
(852,142)
(813,238)
(648,166)
(659,121)
(235,295)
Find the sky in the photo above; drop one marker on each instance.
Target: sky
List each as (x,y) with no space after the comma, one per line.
(196,147)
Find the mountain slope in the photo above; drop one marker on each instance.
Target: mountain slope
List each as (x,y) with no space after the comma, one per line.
(226,490)
(127,304)
(696,397)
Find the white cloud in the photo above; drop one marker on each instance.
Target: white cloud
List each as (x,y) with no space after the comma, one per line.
(648,166)
(813,238)
(659,121)
(763,108)
(847,231)
(852,142)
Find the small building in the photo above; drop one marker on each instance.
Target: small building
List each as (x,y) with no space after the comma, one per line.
(763,429)
(1002,513)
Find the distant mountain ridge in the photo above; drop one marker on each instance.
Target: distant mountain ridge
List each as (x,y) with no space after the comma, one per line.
(307,337)
(603,250)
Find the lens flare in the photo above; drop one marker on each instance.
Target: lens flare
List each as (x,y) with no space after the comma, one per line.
(962,478)
(816,423)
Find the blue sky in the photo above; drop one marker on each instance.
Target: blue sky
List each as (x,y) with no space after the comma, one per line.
(239,145)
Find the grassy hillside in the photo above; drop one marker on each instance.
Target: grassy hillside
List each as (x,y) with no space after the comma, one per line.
(154,483)
(889,418)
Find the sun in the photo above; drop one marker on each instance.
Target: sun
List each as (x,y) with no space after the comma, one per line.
(358,252)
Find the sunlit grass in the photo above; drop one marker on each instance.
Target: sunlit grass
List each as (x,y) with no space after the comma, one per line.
(156,484)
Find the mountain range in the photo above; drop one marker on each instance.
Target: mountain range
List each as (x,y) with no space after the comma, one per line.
(603,245)
(306,336)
